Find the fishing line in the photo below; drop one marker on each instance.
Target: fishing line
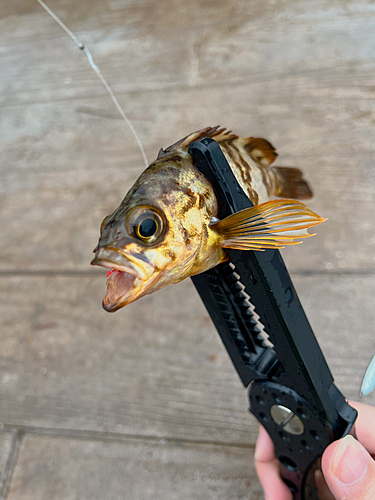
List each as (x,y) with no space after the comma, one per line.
(82,47)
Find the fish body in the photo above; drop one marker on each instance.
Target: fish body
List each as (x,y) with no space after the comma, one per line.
(250,160)
(166,228)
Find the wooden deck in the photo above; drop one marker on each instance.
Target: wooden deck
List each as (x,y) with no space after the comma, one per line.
(145,403)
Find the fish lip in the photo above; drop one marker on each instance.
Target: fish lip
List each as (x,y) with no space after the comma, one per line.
(123,262)
(113,307)
(122,300)
(139,289)
(115,260)
(112,265)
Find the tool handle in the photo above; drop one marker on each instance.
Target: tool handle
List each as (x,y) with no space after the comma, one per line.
(300,435)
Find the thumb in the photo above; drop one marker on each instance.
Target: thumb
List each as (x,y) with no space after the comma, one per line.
(349,470)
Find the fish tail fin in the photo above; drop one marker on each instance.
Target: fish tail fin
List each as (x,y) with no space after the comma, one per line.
(292,184)
(273,224)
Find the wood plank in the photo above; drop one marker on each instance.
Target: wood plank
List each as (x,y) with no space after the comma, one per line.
(61,468)
(157,367)
(64,183)
(169,45)
(299,74)
(67,159)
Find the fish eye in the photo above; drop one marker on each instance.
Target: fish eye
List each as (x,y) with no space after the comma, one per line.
(147,228)
(146,225)
(103,223)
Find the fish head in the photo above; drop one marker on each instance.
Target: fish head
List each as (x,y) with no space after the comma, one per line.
(159,234)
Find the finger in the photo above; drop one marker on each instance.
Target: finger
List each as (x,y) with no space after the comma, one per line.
(268,469)
(264,448)
(269,476)
(349,470)
(364,425)
(324,493)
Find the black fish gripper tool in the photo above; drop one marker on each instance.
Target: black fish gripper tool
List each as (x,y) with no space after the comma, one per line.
(291,389)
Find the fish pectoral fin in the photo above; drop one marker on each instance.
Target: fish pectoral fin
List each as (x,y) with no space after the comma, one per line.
(273,224)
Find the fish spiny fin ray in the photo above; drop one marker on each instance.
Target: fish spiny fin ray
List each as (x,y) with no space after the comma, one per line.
(273,224)
(218,133)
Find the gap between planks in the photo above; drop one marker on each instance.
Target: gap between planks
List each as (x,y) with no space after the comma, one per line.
(76,273)
(11,462)
(85,435)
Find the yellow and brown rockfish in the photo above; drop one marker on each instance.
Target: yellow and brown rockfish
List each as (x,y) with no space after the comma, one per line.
(166,229)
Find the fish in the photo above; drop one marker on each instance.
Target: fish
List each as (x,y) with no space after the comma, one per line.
(166,228)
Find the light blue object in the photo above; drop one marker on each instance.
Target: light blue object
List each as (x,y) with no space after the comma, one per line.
(368,384)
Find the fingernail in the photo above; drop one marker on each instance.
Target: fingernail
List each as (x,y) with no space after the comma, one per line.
(350,461)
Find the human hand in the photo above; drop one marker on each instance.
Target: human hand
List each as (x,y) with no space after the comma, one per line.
(347,465)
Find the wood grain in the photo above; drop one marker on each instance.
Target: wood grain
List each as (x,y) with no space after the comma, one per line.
(300,74)
(61,468)
(65,165)
(58,186)
(157,367)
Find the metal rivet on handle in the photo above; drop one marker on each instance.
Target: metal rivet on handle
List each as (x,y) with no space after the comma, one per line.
(287,420)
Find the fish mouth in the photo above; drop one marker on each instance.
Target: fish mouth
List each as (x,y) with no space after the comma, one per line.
(125,280)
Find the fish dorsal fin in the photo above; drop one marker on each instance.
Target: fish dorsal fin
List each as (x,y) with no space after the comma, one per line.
(260,150)
(220,134)
(217,133)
